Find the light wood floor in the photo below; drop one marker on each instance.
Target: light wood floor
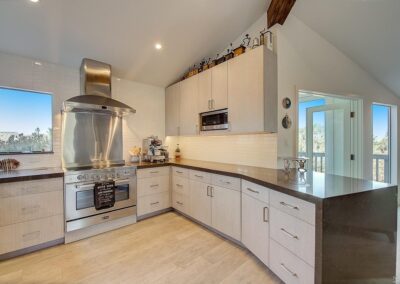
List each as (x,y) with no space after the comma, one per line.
(164,249)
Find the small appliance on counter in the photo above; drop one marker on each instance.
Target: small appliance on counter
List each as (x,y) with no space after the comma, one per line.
(154,151)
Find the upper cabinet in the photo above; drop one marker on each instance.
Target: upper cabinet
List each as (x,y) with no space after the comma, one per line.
(252,92)
(219,84)
(172,95)
(246,85)
(189,114)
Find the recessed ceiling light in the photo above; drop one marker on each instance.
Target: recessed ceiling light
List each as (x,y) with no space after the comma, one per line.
(38,63)
(158,46)
(118,79)
(34,1)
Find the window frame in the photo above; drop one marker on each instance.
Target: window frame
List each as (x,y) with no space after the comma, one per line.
(52,122)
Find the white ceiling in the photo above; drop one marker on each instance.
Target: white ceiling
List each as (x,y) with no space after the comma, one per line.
(124,32)
(368,31)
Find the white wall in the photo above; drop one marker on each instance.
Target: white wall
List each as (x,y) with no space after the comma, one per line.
(309,62)
(63,82)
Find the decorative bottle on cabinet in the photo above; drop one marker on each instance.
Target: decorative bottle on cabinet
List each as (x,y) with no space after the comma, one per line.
(177,152)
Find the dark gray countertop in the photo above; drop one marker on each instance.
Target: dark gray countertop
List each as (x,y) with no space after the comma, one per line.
(30,174)
(312,186)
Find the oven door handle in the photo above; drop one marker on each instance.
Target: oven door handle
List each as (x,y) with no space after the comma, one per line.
(91,185)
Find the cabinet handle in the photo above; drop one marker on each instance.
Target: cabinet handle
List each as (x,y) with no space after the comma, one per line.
(288,270)
(155,172)
(31,236)
(154,203)
(264,215)
(198,176)
(154,185)
(208,188)
(179,185)
(290,206)
(227,182)
(289,234)
(212,103)
(252,190)
(180,203)
(212,191)
(179,172)
(209,104)
(30,210)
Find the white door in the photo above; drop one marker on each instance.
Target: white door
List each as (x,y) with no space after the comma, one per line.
(329,136)
(255,227)
(200,201)
(226,211)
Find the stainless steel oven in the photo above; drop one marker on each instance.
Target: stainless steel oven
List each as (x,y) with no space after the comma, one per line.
(80,209)
(214,120)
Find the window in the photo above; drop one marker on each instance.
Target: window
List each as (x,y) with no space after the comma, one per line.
(381,142)
(26,121)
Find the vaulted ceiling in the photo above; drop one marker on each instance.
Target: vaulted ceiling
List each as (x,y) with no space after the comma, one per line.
(367,31)
(123,32)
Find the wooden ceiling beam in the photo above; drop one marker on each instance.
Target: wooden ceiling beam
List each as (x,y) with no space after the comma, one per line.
(278,11)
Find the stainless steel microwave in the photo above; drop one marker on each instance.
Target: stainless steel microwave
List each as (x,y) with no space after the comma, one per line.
(214,120)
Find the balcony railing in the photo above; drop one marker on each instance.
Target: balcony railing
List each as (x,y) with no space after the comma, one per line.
(380,165)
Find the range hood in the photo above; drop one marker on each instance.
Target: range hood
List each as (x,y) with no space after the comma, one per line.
(96,91)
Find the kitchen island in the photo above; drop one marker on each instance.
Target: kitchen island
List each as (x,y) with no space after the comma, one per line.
(355,220)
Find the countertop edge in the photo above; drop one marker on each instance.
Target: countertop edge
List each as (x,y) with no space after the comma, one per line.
(29,177)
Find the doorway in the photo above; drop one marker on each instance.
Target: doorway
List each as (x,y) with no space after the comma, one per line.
(328,133)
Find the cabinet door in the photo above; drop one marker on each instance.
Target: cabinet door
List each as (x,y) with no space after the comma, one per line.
(245,92)
(204,96)
(220,86)
(200,201)
(189,116)
(226,211)
(255,227)
(172,110)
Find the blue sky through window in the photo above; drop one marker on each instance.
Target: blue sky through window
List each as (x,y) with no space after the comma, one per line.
(380,120)
(303,106)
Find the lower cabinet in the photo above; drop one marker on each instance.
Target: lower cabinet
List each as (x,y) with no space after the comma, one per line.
(255,227)
(200,201)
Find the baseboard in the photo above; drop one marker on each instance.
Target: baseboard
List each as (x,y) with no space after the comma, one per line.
(152,214)
(31,249)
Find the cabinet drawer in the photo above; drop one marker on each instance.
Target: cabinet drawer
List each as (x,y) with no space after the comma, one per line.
(153,172)
(180,202)
(288,267)
(293,206)
(256,191)
(152,203)
(30,187)
(180,185)
(225,181)
(182,172)
(31,233)
(30,207)
(294,234)
(147,186)
(200,176)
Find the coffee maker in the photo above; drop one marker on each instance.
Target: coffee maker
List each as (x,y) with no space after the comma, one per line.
(153,150)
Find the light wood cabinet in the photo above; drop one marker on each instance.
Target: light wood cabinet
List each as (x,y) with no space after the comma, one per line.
(172,104)
(255,227)
(188,111)
(205,91)
(219,91)
(225,208)
(200,201)
(246,85)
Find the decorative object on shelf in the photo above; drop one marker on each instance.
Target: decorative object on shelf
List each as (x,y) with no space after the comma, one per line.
(206,64)
(256,42)
(246,41)
(177,152)
(262,36)
(286,122)
(239,50)
(286,103)
(9,164)
(229,53)
(220,60)
(193,71)
(213,62)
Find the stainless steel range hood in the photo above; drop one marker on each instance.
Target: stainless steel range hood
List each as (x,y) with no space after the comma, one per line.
(96,91)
